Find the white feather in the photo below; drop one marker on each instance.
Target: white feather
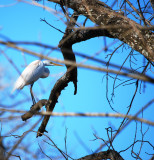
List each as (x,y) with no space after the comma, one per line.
(30,74)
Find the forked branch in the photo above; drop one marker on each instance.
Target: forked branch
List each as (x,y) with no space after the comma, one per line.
(71,74)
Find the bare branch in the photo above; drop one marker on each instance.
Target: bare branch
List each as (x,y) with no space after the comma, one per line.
(70,75)
(128,122)
(70,63)
(20,140)
(34,109)
(110,154)
(71,114)
(141,41)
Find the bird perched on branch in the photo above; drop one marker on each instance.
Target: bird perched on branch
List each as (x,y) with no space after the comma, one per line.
(32,73)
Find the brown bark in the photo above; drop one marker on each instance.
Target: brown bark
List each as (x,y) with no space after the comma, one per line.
(110,154)
(125,29)
(71,74)
(120,27)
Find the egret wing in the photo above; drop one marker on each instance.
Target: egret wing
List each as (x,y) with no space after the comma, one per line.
(31,74)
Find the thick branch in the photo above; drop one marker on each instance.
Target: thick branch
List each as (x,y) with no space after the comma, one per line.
(140,40)
(110,154)
(70,75)
(53,99)
(84,34)
(34,109)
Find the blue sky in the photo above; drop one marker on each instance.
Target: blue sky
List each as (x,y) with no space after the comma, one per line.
(21,22)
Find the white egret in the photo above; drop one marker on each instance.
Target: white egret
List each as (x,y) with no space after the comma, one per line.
(32,73)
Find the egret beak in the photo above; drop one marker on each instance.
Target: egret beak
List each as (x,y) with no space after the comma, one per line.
(55,64)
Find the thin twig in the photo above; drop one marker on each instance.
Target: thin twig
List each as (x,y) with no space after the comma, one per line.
(51,25)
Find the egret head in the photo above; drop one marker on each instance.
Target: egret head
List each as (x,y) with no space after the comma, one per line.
(50,63)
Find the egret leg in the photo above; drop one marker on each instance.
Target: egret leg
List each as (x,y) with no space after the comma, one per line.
(32,95)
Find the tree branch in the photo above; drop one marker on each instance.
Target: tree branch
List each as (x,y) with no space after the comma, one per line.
(110,154)
(53,99)
(100,14)
(34,109)
(71,63)
(70,75)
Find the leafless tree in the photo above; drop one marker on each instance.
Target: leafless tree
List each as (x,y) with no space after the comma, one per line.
(131,23)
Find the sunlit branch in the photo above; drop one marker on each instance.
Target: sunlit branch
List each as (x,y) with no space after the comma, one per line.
(76,53)
(72,114)
(132,75)
(101,15)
